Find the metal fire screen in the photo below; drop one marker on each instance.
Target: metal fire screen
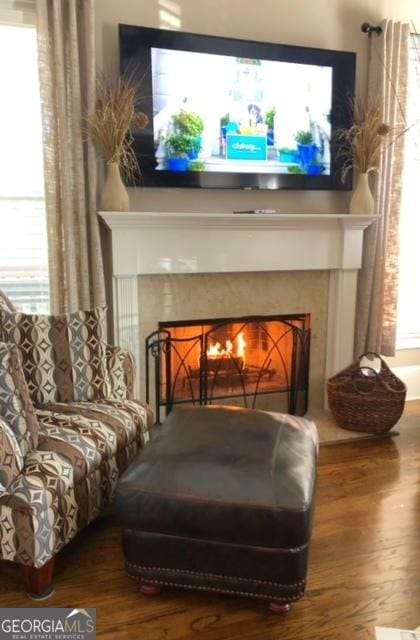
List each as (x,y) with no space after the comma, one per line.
(230,360)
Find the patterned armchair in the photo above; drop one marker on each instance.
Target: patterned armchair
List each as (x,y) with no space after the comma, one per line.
(59,461)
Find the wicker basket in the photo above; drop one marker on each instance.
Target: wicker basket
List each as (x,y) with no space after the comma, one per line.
(363,399)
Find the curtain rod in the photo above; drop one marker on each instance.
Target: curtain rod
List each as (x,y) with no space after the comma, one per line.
(368,28)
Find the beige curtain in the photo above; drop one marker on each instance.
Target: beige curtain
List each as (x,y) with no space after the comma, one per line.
(377,294)
(67,78)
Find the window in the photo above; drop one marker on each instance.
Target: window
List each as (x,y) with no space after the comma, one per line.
(409,300)
(23,237)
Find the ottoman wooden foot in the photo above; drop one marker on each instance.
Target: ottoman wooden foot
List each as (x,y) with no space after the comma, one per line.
(279,608)
(150,589)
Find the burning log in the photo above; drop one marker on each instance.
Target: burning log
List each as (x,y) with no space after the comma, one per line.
(219,364)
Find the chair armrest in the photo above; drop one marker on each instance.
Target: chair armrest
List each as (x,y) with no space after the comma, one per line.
(121,372)
(6,303)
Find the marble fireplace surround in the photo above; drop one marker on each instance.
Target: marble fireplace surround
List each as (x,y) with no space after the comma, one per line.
(167,245)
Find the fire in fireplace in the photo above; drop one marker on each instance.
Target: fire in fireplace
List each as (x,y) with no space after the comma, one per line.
(256,361)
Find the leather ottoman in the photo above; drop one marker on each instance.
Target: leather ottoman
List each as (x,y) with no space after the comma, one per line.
(222,500)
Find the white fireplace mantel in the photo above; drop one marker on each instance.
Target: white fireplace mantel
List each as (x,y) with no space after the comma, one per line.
(180,243)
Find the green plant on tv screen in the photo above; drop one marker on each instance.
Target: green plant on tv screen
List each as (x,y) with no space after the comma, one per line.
(197,165)
(304,137)
(295,168)
(269,117)
(224,120)
(179,145)
(188,123)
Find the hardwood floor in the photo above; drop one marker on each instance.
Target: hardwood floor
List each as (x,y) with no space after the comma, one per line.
(364,569)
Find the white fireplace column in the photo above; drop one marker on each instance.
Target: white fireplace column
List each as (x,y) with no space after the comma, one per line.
(146,243)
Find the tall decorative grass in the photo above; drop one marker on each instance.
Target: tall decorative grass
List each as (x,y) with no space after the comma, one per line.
(111,123)
(362,144)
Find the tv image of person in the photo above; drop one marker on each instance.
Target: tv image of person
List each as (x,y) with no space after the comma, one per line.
(254,115)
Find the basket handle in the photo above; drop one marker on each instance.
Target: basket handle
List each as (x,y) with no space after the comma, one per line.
(358,374)
(372,353)
(383,366)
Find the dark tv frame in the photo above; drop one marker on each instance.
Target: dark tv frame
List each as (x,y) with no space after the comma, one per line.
(135,44)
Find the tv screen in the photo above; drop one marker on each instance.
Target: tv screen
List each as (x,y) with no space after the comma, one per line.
(227,113)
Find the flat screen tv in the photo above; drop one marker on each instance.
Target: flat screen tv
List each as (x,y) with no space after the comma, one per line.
(227,113)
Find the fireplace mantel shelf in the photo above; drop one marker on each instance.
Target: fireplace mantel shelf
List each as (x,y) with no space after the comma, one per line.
(146,243)
(157,243)
(129,219)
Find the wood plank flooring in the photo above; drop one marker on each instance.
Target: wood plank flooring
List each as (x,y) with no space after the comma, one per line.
(364,569)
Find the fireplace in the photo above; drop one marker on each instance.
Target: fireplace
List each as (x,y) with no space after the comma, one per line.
(247,361)
(164,267)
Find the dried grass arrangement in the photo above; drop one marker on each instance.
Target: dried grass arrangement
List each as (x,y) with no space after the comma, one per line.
(113,120)
(362,144)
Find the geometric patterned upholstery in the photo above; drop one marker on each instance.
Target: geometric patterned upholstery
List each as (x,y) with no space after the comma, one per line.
(76,439)
(120,365)
(121,372)
(16,406)
(127,418)
(64,356)
(6,303)
(64,485)
(39,510)
(11,458)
